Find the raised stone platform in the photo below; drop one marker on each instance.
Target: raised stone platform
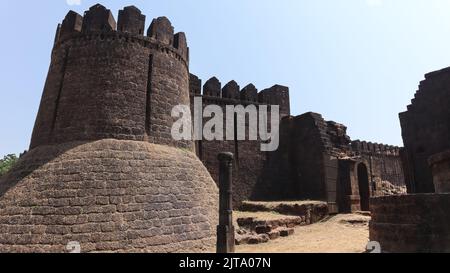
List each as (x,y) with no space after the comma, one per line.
(309,211)
(260,222)
(260,227)
(411,223)
(110,196)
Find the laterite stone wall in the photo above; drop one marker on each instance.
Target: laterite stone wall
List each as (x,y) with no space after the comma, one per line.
(411,223)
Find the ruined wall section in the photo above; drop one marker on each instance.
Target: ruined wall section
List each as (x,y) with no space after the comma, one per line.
(277,172)
(108,83)
(324,163)
(384,165)
(426,128)
(308,144)
(110,196)
(316,147)
(250,162)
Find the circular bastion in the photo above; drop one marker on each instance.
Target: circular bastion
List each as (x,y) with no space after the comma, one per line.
(103,170)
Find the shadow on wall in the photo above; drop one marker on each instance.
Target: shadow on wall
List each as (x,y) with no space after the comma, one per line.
(364,188)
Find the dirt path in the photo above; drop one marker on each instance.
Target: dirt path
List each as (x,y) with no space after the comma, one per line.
(348,233)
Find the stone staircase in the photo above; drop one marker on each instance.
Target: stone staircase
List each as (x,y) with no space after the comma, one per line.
(254,231)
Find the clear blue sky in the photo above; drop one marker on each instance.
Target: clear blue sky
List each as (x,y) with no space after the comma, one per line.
(357,62)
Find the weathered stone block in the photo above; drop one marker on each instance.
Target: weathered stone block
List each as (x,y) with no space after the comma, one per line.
(287,232)
(263,229)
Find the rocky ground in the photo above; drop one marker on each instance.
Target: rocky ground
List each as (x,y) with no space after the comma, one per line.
(345,233)
(260,222)
(388,189)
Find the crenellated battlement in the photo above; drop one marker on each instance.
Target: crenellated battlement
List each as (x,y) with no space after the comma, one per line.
(99,22)
(131,20)
(212,88)
(374,148)
(98,18)
(72,23)
(249,93)
(232,93)
(162,30)
(277,95)
(125,39)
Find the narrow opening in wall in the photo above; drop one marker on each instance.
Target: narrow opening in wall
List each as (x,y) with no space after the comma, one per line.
(236,142)
(364,189)
(149,96)
(200,149)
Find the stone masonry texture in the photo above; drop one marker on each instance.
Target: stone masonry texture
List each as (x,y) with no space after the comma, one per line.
(411,223)
(109,195)
(316,159)
(104,83)
(420,221)
(426,129)
(103,169)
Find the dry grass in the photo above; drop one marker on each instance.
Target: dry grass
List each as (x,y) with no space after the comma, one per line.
(347,233)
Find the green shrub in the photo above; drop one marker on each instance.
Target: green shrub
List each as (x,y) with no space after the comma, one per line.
(7,163)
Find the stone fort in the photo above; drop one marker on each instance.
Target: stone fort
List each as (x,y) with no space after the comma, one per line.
(104,170)
(316,159)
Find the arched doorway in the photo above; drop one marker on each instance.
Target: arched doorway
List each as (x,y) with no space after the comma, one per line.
(364,189)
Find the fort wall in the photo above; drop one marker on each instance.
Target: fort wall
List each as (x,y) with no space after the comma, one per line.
(103,169)
(385,165)
(108,83)
(426,129)
(419,222)
(250,162)
(312,161)
(324,164)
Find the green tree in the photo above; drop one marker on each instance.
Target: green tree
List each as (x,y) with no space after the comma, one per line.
(7,163)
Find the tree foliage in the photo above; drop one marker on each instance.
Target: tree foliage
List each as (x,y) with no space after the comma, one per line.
(7,163)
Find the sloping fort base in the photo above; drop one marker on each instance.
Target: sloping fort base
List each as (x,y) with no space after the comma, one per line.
(108,195)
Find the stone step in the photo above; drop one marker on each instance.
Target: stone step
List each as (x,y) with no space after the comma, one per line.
(251,239)
(243,238)
(287,232)
(264,229)
(265,226)
(310,211)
